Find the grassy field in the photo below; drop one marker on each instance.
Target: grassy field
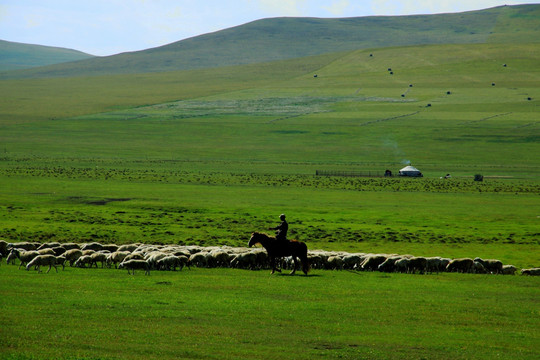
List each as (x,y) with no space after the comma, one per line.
(208,156)
(235,314)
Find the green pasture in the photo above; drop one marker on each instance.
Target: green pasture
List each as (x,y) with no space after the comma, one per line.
(208,156)
(239,314)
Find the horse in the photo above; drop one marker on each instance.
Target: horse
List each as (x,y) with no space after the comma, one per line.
(278,249)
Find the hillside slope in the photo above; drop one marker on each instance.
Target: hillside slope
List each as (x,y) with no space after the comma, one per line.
(16,56)
(286,38)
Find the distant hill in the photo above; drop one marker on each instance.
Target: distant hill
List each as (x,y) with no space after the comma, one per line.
(16,56)
(286,38)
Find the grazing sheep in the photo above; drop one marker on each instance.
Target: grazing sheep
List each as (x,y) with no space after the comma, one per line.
(153,257)
(72,255)
(23,255)
(352,261)
(59,250)
(371,263)
(42,260)
(117,257)
(198,260)
(69,246)
(531,272)
(509,270)
(134,265)
(316,261)
(128,247)
(334,263)
(98,256)
(28,246)
(135,256)
(389,265)
(83,260)
(434,264)
(171,262)
(49,245)
(110,247)
(491,265)
(479,268)
(464,265)
(46,251)
(92,246)
(402,265)
(218,258)
(247,260)
(61,260)
(417,264)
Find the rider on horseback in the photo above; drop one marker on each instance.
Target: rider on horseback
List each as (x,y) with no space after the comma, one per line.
(281,229)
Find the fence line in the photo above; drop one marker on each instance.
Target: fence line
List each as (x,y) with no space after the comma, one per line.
(351,173)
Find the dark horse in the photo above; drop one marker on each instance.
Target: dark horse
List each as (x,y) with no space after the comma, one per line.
(278,249)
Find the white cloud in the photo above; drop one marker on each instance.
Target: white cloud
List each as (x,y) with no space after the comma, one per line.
(408,7)
(282,7)
(337,8)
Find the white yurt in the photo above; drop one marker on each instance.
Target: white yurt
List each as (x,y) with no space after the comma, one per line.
(410,171)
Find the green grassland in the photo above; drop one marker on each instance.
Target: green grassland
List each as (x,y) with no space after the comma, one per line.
(287,38)
(207,156)
(239,314)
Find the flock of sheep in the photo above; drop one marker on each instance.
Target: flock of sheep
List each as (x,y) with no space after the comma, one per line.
(170,257)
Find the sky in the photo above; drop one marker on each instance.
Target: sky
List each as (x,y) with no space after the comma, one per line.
(107,27)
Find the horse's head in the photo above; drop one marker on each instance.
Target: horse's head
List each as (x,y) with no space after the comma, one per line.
(253,240)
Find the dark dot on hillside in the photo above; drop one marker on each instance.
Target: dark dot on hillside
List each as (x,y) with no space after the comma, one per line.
(448,93)
(492,84)
(504,65)
(428,105)
(410,85)
(370,55)
(402,95)
(389,69)
(391,73)
(529,98)
(315,75)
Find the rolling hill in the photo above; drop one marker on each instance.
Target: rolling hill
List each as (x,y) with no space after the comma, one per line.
(285,38)
(17,56)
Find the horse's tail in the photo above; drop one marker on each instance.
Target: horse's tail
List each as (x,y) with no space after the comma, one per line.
(305,261)
(305,265)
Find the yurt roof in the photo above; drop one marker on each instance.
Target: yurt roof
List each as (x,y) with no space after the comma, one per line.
(409,168)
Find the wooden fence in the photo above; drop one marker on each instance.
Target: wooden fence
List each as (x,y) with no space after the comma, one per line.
(352,173)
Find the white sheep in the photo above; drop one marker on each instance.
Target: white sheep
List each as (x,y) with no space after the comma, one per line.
(23,255)
(509,270)
(246,260)
(491,265)
(135,264)
(153,257)
(28,246)
(42,260)
(334,263)
(98,256)
(171,262)
(72,255)
(198,259)
(83,260)
(531,272)
(128,247)
(117,257)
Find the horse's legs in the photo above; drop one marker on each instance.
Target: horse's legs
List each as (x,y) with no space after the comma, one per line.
(274,267)
(294,265)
